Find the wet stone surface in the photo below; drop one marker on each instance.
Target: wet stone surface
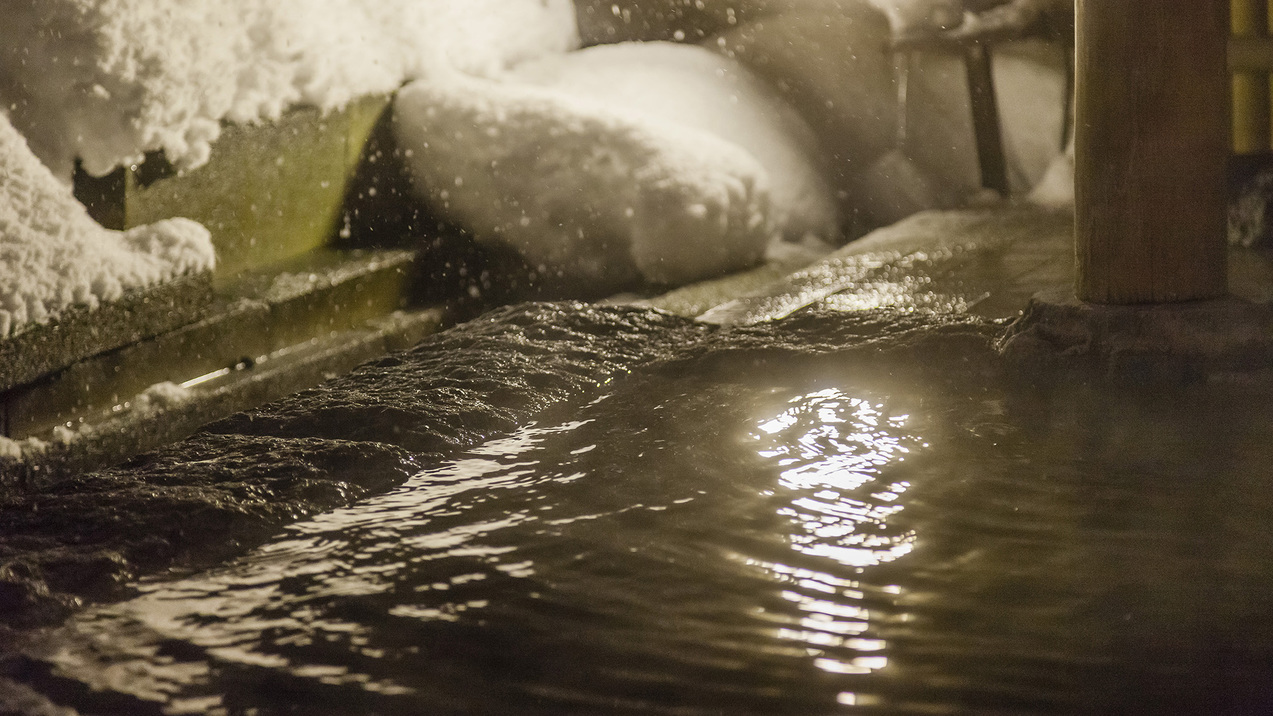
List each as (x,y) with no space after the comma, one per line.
(984,261)
(481,378)
(1194,340)
(78,333)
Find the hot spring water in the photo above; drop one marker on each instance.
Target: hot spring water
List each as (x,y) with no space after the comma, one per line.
(751,530)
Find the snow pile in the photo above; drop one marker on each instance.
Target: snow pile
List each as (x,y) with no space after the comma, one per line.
(694,87)
(651,161)
(160,397)
(1056,188)
(598,196)
(106,80)
(54,256)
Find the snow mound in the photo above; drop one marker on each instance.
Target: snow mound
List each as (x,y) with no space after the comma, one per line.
(54,256)
(695,87)
(597,196)
(1056,189)
(106,80)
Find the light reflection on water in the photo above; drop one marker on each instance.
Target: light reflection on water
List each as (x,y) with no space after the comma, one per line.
(589,530)
(832,448)
(761,547)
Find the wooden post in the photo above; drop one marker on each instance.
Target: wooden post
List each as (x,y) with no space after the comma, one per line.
(1151,146)
(1251,121)
(985,118)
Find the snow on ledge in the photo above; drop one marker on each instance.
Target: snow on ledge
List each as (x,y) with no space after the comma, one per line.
(106,80)
(54,256)
(149,404)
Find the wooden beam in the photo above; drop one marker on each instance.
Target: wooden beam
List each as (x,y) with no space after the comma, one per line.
(1249,20)
(1250,54)
(985,118)
(1151,146)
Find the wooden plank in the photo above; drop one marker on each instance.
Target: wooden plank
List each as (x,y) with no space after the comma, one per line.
(80,332)
(270,192)
(1152,141)
(985,118)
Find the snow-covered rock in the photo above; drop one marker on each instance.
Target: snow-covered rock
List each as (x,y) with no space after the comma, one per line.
(54,256)
(693,20)
(597,196)
(106,80)
(694,87)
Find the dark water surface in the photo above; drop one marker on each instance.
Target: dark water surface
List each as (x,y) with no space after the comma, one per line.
(749,531)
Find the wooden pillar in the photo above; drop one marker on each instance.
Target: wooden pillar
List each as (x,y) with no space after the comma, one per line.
(1251,121)
(1151,146)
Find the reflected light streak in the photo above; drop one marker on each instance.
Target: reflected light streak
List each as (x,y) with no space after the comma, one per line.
(832,448)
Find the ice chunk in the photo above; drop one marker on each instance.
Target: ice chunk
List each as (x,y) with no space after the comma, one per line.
(53,255)
(594,195)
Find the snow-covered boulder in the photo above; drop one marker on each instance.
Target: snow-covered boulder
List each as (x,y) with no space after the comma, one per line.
(833,62)
(694,87)
(913,17)
(54,256)
(588,193)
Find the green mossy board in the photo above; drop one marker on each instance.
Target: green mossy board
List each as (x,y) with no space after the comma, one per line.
(270,192)
(274,198)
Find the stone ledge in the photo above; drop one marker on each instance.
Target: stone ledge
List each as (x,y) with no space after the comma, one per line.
(934,260)
(112,438)
(1199,340)
(81,332)
(307,298)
